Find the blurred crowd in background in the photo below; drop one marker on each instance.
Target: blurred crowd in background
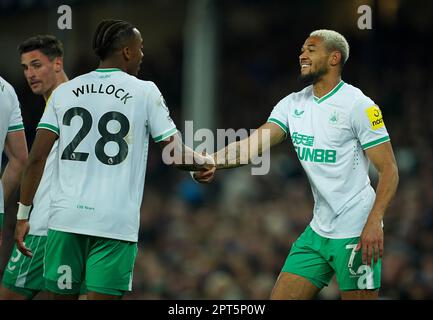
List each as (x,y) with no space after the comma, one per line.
(229,240)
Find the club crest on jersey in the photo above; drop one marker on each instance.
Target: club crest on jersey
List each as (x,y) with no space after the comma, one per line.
(334,117)
(375,116)
(297,113)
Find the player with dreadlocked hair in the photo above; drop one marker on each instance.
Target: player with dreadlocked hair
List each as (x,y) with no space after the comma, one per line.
(117,42)
(98,180)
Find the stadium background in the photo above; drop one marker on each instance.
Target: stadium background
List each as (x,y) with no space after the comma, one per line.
(229,240)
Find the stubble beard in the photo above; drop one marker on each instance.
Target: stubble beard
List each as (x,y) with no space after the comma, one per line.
(313,77)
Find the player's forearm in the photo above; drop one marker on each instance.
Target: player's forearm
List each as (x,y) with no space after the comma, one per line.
(174,152)
(16,151)
(234,155)
(189,160)
(30,180)
(244,152)
(11,178)
(386,188)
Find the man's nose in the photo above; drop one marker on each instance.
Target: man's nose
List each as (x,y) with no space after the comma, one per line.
(29,73)
(303,55)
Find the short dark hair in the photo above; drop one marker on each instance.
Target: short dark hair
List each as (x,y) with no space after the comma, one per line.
(110,36)
(49,45)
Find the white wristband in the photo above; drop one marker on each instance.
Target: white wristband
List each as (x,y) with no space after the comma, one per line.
(23,211)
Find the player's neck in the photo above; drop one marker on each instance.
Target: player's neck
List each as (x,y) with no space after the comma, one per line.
(111,64)
(60,78)
(325,85)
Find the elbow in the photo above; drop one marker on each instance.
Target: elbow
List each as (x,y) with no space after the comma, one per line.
(22,160)
(35,160)
(18,163)
(389,173)
(396,175)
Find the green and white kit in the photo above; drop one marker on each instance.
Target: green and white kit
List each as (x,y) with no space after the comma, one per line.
(10,120)
(104,265)
(27,278)
(25,275)
(330,135)
(103,120)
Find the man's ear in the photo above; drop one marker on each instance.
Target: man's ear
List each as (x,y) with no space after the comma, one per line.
(335,58)
(126,52)
(58,64)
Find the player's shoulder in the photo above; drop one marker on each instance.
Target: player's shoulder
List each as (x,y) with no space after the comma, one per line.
(145,84)
(8,96)
(140,84)
(4,85)
(82,78)
(59,91)
(6,89)
(297,96)
(358,98)
(71,83)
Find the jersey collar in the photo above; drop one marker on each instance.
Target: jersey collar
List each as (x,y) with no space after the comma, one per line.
(107,69)
(329,94)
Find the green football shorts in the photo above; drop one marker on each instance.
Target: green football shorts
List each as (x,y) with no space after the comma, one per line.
(24,275)
(105,264)
(317,259)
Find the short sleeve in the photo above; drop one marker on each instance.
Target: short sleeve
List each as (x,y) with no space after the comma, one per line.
(368,124)
(49,119)
(16,120)
(279,115)
(161,126)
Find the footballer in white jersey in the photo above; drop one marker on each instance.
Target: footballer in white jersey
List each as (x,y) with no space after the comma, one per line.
(330,135)
(102,120)
(12,143)
(42,62)
(336,131)
(10,122)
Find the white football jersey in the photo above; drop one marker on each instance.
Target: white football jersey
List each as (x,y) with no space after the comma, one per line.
(41,203)
(103,119)
(10,120)
(330,135)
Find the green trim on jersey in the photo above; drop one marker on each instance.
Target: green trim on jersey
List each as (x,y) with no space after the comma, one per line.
(108,70)
(16,128)
(330,94)
(165,135)
(49,127)
(279,123)
(375,142)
